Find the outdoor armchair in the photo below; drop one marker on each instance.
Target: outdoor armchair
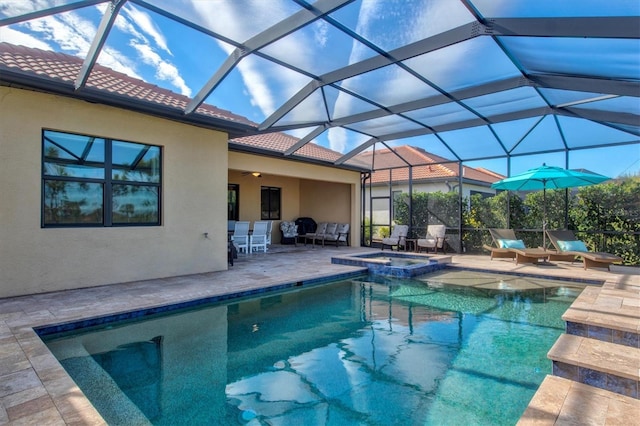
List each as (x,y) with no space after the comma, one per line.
(434,239)
(289,232)
(397,238)
(568,247)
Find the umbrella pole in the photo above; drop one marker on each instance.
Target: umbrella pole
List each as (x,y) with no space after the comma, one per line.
(544,218)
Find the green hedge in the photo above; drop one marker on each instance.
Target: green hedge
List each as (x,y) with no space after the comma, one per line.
(605,216)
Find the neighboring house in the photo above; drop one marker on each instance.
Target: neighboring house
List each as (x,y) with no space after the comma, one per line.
(113,183)
(429,173)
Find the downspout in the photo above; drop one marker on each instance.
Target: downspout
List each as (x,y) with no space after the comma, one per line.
(364,176)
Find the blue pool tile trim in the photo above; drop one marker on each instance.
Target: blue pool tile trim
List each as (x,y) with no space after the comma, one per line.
(50,329)
(599,379)
(626,338)
(381,267)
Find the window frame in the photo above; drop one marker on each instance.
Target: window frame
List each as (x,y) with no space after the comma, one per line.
(270,215)
(107,182)
(233,213)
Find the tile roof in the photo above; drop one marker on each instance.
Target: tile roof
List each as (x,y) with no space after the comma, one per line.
(281,142)
(426,166)
(64,69)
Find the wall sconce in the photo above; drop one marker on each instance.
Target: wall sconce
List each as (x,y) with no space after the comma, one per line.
(256,174)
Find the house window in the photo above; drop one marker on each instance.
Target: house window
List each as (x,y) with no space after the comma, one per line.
(233,195)
(91,181)
(270,203)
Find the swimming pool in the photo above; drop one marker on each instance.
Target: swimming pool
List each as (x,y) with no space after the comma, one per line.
(453,347)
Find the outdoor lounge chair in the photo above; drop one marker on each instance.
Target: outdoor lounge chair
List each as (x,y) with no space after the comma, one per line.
(397,238)
(434,238)
(568,247)
(506,245)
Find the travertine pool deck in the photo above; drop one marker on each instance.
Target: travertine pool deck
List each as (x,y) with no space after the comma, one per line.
(34,389)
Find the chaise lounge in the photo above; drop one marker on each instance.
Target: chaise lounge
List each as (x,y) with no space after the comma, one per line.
(506,245)
(568,247)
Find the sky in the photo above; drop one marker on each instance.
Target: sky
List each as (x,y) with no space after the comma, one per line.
(148,46)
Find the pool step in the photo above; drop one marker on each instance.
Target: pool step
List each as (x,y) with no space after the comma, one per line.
(605,365)
(610,315)
(562,401)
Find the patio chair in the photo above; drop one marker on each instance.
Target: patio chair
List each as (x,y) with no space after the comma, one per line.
(568,247)
(434,239)
(507,246)
(240,236)
(397,238)
(289,231)
(269,232)
(258,238)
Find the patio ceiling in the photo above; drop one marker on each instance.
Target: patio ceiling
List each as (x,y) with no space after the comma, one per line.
(468,79)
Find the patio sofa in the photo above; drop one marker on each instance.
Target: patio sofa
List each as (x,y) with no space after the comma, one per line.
(331,232)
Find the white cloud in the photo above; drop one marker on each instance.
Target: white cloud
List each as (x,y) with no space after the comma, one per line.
(164,70)
(147,26)
(320,31)
(20,7)
(117,61)
(60,30)
(12,36)
(265,83)
(337,137)
(74,33)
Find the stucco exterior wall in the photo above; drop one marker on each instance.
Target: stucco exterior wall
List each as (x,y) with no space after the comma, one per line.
(308,190)
(33,259)
(329,202)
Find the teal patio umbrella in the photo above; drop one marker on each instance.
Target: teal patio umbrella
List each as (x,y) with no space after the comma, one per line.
(548,177)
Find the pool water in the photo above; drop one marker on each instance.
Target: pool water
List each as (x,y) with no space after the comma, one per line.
(455,347)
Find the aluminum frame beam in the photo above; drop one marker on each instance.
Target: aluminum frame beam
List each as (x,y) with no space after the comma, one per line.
(278,31)
(590,27)
(108,19)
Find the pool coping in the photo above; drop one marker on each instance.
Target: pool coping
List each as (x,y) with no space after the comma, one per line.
(56,328)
